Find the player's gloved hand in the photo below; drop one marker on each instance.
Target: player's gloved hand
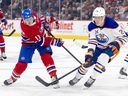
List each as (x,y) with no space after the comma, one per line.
(1,31)
(40,41)
(4,22)
(57,26)
(47,28)
(89,55)
(57,42)
(115,46)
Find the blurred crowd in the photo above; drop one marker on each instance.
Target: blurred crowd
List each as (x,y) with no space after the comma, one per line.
(67,9)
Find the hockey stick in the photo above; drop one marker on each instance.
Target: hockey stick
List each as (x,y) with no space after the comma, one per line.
(48,84)
(10,33)
(64,47)
(39,79)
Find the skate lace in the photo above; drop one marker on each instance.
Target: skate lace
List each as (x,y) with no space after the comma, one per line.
(56,84)
(10,81)
(54,78)
(3,54)
(75,80)
(90,80)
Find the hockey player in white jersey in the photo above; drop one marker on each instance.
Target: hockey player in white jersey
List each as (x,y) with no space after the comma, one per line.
(105,41)
(123,71)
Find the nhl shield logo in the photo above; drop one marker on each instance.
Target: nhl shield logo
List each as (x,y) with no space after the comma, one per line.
(22,58)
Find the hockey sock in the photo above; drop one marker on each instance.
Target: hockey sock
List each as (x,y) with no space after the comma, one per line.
(2,43)
(100,65)
(49,64)
(81,72)
(18,70)
(2,49)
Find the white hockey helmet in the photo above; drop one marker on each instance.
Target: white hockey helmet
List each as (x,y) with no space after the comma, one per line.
(98,11)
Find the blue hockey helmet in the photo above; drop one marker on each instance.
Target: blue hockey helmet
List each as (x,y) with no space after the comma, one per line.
(47,14)
(27,13)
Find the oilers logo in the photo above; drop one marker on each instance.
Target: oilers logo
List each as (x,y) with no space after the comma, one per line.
(102,38)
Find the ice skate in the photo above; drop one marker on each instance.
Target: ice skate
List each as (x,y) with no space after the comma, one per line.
(9,82)
(89,82)
(74,81)
(3,55)
(1,59)
(56,83)
(123,73)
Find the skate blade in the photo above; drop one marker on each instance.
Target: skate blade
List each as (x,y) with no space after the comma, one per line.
(56,86)
(122,77)
(4,57)
(1,60)
(85,88)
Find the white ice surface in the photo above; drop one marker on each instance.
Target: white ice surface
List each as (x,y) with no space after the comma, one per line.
(107,84)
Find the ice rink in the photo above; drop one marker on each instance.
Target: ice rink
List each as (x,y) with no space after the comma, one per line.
(107,84)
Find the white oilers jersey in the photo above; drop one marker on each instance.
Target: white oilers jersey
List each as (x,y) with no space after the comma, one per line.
(102,36)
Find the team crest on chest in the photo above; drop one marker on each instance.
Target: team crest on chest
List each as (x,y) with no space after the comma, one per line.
(101,37)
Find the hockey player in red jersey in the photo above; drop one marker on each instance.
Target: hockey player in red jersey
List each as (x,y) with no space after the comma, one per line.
(33,38)
(47,20)
(2,41)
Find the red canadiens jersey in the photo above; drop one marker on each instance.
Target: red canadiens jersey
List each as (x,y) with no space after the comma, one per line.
(29,32)
(52,19)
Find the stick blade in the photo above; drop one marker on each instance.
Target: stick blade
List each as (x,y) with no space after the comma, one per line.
(42,81)
(10,33)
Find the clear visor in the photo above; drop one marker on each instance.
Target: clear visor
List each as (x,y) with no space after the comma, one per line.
(99,20)
(28,21)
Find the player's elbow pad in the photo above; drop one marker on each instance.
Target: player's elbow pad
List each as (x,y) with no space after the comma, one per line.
(115,46)
(118,44)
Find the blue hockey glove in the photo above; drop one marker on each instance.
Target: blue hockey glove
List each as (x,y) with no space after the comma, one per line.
(46,26)
(41,41)
(57,42)
(1,31)
(4,21)
(89,55)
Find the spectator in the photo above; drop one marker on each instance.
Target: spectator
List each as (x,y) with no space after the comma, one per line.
(67,9)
